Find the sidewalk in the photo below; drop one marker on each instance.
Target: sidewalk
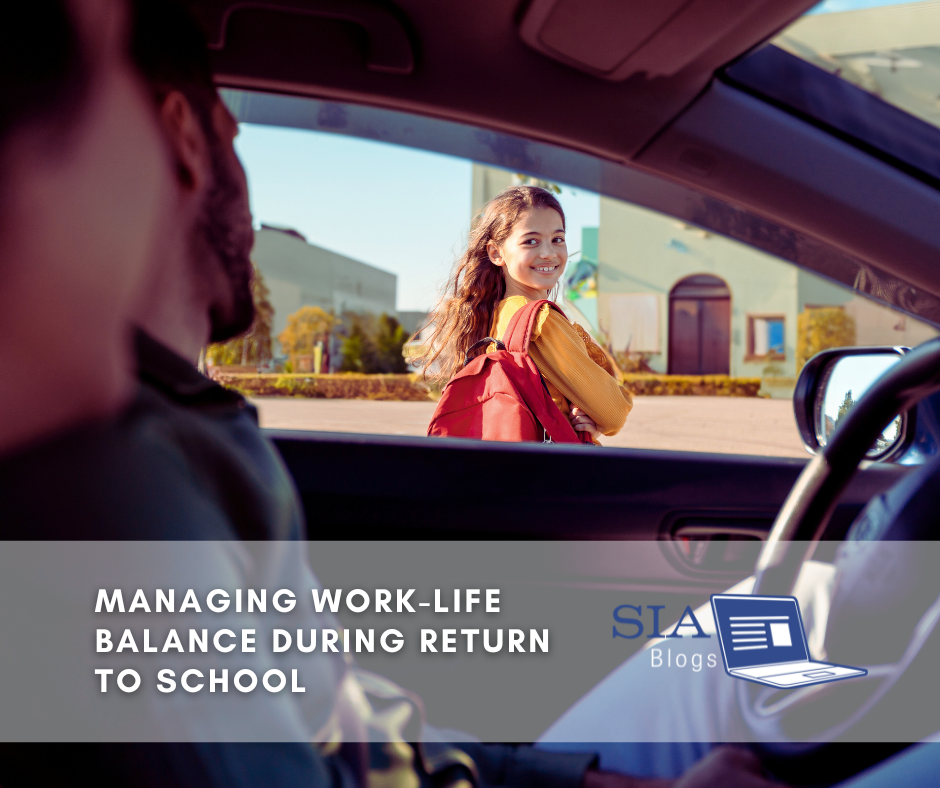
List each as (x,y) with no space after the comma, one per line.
(727,425)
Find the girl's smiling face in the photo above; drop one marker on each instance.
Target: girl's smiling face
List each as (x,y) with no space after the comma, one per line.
(533,257)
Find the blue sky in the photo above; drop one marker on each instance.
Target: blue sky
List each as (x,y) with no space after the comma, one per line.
(835,6)
(399,209)
(403,210)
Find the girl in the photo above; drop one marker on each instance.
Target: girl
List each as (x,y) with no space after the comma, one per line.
(516,254)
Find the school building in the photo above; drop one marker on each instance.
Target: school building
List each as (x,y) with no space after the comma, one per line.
(299,273)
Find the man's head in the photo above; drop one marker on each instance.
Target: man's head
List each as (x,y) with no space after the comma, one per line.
(213,214)
(84,191)
(74,122)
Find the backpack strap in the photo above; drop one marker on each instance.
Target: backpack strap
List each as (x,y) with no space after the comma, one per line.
(482,343)
(522,324)
(519,334)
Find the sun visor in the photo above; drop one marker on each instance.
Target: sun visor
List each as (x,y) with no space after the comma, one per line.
(615,39)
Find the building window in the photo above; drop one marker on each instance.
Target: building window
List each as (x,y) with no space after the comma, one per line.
(765,337)
(634,322)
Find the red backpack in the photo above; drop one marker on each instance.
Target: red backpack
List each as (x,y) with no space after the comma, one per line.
(502,396)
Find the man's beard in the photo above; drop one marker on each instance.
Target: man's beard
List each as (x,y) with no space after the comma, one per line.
(225,231)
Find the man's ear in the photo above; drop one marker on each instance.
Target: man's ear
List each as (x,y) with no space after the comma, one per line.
(188,143)
(496,257)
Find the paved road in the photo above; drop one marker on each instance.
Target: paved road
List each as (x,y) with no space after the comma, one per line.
(729,425)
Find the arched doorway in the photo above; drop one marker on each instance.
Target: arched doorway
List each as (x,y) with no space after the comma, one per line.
(700,326)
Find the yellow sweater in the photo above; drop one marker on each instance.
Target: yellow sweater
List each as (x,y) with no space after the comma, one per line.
(576,370)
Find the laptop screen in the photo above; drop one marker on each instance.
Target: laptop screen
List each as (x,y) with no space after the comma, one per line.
(759,630)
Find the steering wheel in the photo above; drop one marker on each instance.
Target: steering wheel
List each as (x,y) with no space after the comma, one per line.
(802,521)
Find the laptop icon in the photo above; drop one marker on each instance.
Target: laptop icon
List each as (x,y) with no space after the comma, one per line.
(762,640)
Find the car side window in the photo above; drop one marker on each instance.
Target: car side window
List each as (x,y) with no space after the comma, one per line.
(354,239)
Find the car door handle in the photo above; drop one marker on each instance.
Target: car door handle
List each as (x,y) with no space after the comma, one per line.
(718,545)
(702,531)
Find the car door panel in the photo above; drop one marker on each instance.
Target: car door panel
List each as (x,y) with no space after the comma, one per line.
(368,486)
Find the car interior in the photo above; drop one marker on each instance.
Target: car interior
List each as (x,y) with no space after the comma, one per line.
(678,106)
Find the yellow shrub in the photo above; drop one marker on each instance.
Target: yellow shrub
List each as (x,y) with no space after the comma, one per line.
(412,388)
(821,329)
(350,385)
(646,384)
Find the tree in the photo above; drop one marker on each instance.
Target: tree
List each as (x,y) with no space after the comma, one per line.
(390,340)
(528,180)
(847,404)
(305,327)
(373,344)
(254,346)
(359,351)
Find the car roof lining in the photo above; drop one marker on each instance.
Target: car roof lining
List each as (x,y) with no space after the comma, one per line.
(472,65)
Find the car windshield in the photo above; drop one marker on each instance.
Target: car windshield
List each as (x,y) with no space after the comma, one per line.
(890,49)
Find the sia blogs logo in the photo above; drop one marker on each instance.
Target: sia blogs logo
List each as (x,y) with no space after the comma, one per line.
(629,625)
(762,640)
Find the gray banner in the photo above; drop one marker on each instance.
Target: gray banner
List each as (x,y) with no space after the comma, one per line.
(509,641)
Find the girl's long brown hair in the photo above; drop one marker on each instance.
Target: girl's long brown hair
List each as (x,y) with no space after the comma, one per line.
(464,314)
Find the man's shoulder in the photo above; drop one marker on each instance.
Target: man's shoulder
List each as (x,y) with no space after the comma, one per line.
(216,433)
(177,380)
(122,478)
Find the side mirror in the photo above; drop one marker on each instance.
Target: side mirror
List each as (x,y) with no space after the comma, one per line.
(832,382)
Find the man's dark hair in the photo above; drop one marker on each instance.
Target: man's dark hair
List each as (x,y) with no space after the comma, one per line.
(169,49)
(43,68)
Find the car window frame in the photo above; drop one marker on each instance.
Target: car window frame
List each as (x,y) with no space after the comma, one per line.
(841,108)
(619,180)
